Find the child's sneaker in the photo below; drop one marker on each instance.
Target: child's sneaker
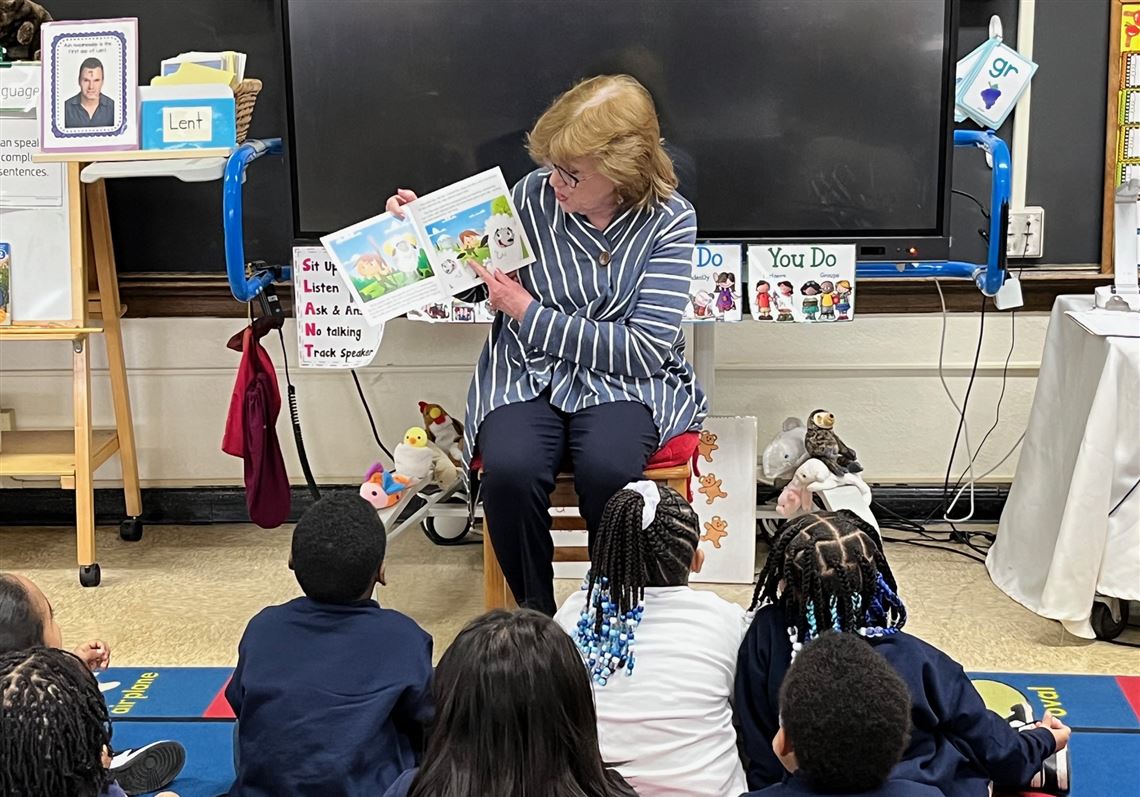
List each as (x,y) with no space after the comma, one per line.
(1055,776)
(139,770)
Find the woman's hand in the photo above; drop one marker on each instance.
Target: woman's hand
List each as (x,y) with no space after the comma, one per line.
(402,197)
(504,293)
(95,653)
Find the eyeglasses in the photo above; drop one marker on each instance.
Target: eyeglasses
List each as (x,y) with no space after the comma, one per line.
(571,180)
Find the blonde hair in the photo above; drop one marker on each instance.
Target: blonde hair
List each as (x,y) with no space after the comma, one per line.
(610,118)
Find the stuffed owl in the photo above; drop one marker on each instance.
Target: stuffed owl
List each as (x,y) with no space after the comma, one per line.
(824,444)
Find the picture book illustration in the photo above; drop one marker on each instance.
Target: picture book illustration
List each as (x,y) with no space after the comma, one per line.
(472,222)
(394,266)
(452,311)
(715,293)
(801,283)
(5,284)
(384,267)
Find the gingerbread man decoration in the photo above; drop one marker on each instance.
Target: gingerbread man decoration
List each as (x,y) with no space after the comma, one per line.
(707,445)
(710,487)
(715,530)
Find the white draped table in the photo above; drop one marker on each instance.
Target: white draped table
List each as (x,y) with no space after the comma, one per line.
(1068,531)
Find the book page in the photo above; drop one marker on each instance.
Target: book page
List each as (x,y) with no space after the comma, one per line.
(384,266)
(472,221)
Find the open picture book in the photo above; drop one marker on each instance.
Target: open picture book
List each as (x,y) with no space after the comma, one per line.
(392,266)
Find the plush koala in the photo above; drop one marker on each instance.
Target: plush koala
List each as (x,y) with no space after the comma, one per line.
(20,22)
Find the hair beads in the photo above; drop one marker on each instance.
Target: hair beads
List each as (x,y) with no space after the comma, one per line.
(609,650)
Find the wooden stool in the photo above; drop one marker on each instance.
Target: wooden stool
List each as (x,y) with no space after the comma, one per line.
(496,593)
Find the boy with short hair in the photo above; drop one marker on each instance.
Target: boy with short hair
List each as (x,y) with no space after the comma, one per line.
(332,693)
(844,723)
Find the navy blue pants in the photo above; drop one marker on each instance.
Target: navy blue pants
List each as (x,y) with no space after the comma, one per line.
(523,447)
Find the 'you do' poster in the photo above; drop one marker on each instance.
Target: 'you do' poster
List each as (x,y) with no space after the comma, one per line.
(802,282)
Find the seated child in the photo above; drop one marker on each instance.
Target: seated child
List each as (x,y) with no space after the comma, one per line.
(331,692)
(28,621)
(844,722)
(826,571)
(661,655)
(515,717)
(54,727)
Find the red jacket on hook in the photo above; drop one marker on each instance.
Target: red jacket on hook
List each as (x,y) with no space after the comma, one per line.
(251,430)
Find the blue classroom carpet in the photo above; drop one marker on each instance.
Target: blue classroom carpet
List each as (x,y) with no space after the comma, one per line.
(209,769)
(187,704)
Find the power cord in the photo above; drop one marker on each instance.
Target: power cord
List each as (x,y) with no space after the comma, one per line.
(962,425)
(983,231)
(997,409)
(368,412)
(295,417)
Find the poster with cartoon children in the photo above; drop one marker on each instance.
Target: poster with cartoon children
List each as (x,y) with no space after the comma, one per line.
(801,282)
(714,293)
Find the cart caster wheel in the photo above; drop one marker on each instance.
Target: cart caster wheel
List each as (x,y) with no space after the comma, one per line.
(130,530)
(446,530)
(89,575)
(1104,624)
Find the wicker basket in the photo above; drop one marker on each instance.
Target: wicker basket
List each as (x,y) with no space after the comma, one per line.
(245,96)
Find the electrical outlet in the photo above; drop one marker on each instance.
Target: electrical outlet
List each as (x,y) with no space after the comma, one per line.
(1026,233)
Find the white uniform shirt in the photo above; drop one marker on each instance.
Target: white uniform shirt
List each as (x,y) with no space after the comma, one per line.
(668,727)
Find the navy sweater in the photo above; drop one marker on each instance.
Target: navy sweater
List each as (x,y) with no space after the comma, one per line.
(330,700)
(892,788)
(956,743)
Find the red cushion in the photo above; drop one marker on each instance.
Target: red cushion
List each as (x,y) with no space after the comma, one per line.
(676,452)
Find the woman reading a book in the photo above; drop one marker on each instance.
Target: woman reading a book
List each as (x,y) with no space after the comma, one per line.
(586,359)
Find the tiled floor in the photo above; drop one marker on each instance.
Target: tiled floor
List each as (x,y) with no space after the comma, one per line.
(182,596)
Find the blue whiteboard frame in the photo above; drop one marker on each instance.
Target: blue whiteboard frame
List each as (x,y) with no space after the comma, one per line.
(988,276)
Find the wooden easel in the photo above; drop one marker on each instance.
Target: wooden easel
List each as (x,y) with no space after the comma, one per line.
(74,455)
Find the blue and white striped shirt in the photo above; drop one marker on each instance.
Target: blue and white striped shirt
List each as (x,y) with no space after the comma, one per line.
(597,333)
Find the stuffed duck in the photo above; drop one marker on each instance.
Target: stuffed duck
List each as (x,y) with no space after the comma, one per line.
(413,457)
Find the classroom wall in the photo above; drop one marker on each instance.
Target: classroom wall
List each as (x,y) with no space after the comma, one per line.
(879,375)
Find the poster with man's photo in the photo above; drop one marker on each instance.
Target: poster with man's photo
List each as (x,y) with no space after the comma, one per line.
(90,85)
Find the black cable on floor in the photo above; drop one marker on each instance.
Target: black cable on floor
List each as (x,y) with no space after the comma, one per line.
(918,544)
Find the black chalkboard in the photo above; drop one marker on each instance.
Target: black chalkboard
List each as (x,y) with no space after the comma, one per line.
(162,224)
(166,226)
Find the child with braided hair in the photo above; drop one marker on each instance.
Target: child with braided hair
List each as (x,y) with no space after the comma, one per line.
(27,620)
(827,572)
(54,727)
(661,655)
